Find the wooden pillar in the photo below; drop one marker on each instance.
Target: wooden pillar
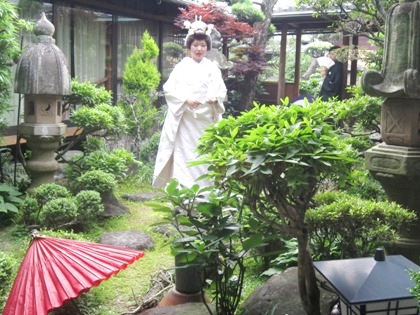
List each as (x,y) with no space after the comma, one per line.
(353,66)
(108,60)
(114,59)
(344,94)
(281,88)
(298,51)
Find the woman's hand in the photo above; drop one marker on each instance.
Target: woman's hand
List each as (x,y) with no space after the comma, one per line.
(212,100)
(192,103)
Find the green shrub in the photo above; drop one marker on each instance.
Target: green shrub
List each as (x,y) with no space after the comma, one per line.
(148,150)
(245,11)
(10,27)
(210,233)
(89,94)
(116,162)
(50,191)
(28,210)
(311,86)
(76,212)
(11,173)
(172,49)
(93,144)
(9,201)
(58,213)
(91,118)
(6,268)
(97,180)
(354,226)
(67,234)
(89,206)
(415,276)
(286,259)
(360,112)
(365,186)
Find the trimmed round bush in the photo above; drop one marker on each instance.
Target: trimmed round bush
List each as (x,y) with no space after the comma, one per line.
(89,206)
(58,212)
(97,180)
(28,210)
(47,192)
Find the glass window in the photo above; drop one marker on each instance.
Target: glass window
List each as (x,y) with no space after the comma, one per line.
(173,49)
(130,34)
(83,36)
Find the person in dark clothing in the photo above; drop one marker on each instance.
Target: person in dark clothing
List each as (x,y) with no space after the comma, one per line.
(332,87)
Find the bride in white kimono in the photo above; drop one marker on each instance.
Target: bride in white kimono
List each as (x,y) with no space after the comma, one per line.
(194,93)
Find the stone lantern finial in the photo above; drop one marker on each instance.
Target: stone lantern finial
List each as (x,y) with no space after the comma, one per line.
(44,27)
(42,76)
(43,68)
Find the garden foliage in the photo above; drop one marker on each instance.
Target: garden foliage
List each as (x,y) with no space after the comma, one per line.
(10,26)
(210,231)
(347,226)
(141,79)
(53,206)
(277,158)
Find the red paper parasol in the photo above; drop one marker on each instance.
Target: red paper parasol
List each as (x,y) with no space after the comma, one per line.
(56,270)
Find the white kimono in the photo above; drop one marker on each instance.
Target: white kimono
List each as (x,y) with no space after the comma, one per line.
(184,126)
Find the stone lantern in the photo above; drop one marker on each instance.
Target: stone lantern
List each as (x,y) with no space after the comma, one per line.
(395,163)
(376,286)
(43,78)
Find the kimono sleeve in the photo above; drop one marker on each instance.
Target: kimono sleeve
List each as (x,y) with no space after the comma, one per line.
(175,93)
(217,88)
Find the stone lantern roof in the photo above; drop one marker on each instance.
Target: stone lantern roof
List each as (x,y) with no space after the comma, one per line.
(43,68)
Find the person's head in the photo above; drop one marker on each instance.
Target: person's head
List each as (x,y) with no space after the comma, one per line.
(198,37)
(198,40)
(198,46)
(332,52)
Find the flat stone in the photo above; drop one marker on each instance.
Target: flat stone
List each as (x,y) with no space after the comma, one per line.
(133,239)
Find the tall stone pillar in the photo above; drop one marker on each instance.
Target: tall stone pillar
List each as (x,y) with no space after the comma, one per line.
(42,76)
(395,163)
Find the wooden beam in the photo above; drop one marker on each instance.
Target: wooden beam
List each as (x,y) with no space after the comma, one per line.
(298,52)
(281,91)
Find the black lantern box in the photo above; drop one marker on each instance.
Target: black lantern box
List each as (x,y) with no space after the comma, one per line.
(376,286)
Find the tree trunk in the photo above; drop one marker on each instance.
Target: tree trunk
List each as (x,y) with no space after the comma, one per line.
(260,39)
(312,68)
(308,288)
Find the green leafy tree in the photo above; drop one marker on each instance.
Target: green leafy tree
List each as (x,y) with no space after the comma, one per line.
(277,158)
(245,11)
(141,79)
(10,26)
(359,17)
(96,121)
(93,115)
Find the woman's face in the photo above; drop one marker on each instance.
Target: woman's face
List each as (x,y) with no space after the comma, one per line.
(198,50)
